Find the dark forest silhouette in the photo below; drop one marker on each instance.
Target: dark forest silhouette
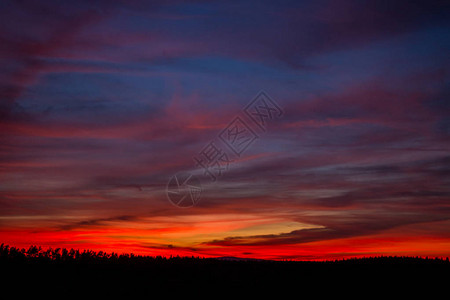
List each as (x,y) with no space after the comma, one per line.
(64,271)
(13,254)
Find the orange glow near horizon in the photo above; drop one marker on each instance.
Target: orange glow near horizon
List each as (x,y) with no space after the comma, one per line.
(160,242)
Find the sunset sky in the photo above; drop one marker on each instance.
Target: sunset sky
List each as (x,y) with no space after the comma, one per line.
(102,102)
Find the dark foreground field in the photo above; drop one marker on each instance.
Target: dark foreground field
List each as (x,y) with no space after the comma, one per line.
(70,272)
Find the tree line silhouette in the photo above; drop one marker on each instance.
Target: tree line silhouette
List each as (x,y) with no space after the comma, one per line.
(72,271)
(8,253)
